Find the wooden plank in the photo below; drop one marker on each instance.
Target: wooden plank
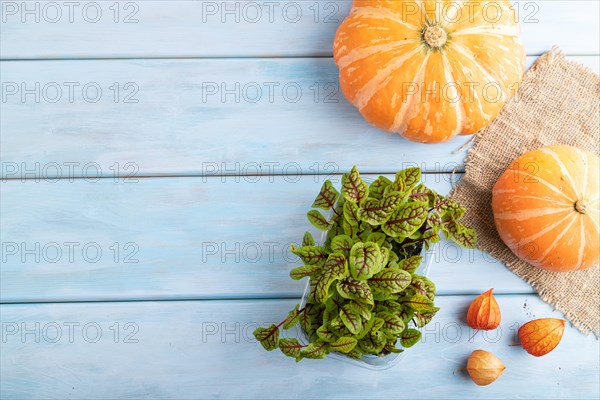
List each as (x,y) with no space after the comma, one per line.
(177,127)
(181,238)
(204,349)
(145,28)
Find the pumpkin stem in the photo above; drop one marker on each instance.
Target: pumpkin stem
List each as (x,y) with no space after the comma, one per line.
(581,206)
(435,37)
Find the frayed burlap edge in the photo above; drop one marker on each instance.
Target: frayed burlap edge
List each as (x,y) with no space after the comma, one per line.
(558,102)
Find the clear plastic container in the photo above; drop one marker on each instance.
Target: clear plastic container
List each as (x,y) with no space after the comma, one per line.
(371,361)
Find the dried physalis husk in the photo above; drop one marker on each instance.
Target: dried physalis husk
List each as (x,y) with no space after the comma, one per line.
(484,312)
(541,336)
(484,367)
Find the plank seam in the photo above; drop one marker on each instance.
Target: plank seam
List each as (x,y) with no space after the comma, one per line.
(339,174)
(263,57)
(208,299)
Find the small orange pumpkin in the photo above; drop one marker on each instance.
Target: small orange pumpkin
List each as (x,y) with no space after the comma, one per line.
(546,208)
(429,70)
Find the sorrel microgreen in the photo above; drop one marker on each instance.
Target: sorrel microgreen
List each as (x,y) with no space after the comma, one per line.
(364,291)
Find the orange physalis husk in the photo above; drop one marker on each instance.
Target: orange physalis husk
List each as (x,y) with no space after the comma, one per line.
(484,367)
(541,336)
(484,312)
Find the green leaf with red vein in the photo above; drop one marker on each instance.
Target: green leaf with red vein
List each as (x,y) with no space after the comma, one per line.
(331,233)
(290,347)
(354,189)
(422,194)
(392,348)
(434,220)
(398,186)
(319,287)
(350,210)
(418,303)
(351,319)
(355,353)
(308,240)
(336,267)
(411,264)
(363,309)
(353,289)
(365,260)
(316,350)
(344,344)
(393,259)
(268,337)
(371,344)
(392,323)
(304,271)
(349,229)
(407,314)
(410,176)
(378,186)
(466,237)
(326,334)
(311,318)
(327,197)
(342,244)
(423,318)
(318,220)
(376,212)
(293,318)
(427,286)
(311,255)
(383,296)
(406,220)
(419,286)
(430,238)
(337,326)
(377,237)
(390,280)
(410,337)
(450,210)
(385,254)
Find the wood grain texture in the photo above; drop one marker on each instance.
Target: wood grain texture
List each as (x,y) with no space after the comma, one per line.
(150,28)
(205,349)
(177,127)
(195,238)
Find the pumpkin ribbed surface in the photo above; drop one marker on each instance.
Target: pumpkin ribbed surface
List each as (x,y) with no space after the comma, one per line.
(429,70)
(546,208)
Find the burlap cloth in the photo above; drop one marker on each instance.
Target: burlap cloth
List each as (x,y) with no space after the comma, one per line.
(558,102)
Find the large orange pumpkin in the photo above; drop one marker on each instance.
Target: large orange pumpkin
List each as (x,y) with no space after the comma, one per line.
(546,208)
(429,70)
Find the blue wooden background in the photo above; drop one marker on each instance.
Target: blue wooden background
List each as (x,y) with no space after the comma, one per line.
(158,157)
